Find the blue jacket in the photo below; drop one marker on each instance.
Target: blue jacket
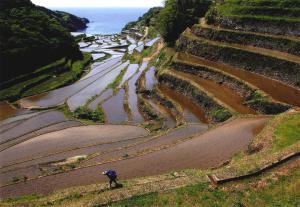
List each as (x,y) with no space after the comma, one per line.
(111,174)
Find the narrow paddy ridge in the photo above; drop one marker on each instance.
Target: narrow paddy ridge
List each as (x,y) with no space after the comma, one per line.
(277,90)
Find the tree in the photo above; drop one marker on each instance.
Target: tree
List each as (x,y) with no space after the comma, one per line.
(177,15)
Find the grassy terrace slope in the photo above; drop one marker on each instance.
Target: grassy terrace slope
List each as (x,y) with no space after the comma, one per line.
(47,78)
(273,17)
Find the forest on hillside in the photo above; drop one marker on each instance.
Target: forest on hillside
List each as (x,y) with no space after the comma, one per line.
(31,37)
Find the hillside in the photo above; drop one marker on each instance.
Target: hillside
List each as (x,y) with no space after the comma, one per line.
(32,38)
(205,113)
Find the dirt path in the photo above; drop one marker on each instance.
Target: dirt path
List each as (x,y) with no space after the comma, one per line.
(203,151)
(278,90)
(158,49)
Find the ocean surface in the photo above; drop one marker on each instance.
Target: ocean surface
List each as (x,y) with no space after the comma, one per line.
(106,20)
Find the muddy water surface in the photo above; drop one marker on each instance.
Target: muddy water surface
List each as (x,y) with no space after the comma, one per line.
(221,92)
(278,90)
(201,152)
(114,108)
(7,111)
(191,111)
(169,120)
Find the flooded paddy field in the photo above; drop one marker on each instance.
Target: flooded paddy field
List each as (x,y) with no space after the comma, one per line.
(95,88)
(104,96)
(192,113)
(32,124)
(131,70)
(71,153)
(202,151)
(69,138)
(221,92)
(132,95)
(151,80)
(114,110)
(169,119)
(277,90)
(58,97)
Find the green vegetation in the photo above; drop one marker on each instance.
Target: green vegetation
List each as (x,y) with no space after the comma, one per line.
(277,16)
(176,16)
(214,111)
(148,19)
(269,66)
(288,132)
(281,44)
(31,38)
(220,115)
(88,114)
(281,191)
(115,84)
(52,76)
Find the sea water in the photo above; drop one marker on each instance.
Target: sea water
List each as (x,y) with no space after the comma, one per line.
(106,20)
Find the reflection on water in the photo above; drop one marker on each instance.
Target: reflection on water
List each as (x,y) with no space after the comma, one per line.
(114,108)
(191,111)
(132,96)
(94,104)
(95,88)
(150,78)
(169,120)
(132,68)
(221,92)
(279,91)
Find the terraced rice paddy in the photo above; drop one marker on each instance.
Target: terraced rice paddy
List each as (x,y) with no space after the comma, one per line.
(104,96)
(114,108)
(131,70)
(177,156)
(169,120)
(7,111)
(95,88)
(132,96)
(226,95)
(52,152)
(151,80)
(277,90)
(192,113)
